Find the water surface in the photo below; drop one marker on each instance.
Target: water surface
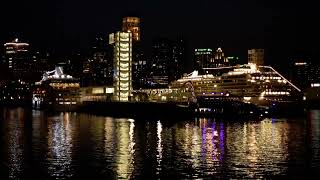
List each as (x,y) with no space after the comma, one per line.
(40,145)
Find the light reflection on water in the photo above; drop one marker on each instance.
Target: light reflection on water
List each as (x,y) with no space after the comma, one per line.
(15,141)
(257,149)
(125,150)
(59,145)
(159,146)
(315,137)
(69,145)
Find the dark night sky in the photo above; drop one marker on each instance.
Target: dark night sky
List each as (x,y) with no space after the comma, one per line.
(285,28)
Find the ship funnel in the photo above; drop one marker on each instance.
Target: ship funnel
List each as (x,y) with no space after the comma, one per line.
(59,70)
(194,74)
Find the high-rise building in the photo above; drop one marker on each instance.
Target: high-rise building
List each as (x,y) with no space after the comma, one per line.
(233,60)
(304,74)
(166,61)
(160,59)
(17,58)
(206,58)
(132,24)
(299,74)
(41,63)
(176,68)
(219,59)
(203,58)
(139,65)
(97,69)
(256,56)
(122,49)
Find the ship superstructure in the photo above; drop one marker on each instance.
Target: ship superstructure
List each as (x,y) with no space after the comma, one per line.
(57,90)
(261,85)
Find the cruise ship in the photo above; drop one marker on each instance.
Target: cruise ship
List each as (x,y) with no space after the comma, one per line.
(57,91)
(259,85)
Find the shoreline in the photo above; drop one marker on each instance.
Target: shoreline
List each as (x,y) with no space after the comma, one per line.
(155,110)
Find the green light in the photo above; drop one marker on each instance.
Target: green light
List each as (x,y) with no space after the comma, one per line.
(203,50)
(233,57)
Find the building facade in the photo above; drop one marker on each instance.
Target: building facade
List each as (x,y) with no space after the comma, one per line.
(139,65)
(167,58)
(17,59)
(304,74)
(233,60)
(98,68)
(122,49)
(203,58)
(160,59)
(207,58)
(132,24)
(179,58)
(219,59)
(256,56)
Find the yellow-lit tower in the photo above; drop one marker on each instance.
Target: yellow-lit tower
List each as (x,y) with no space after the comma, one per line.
(256,56)
(132,24)
(122,57)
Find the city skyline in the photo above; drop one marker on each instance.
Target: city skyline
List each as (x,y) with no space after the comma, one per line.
(159,89)
(65,27)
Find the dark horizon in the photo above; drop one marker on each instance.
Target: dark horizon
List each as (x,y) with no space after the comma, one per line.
(286,30)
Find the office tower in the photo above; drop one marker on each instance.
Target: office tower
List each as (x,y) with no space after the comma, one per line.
(233,60)
(122,49)
(17,59)
(167,58)
(160,58)
(203,58)
(176,66)
(299,74)
(304,74)
(97,69)
(219,59)
(314,73)
(132,24)
(40,63)
(139,65)
(256,56)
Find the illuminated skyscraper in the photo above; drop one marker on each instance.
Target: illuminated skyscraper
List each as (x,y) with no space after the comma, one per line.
(219,59)
(17,58)
(139,64)
(256,56)
(305,73)
(203,58)
(132,24)
(14,52)
(122,43)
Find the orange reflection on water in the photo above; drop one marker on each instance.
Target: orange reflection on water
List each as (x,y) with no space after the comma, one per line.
(109,140)
(256,146)
(125,160)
